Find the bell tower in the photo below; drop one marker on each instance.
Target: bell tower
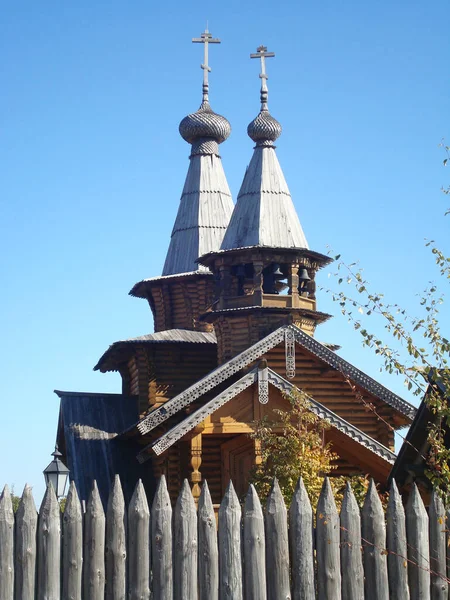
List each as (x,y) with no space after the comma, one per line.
(185,289)
(264,272)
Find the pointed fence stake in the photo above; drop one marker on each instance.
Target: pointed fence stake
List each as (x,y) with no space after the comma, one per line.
(94,547)
(230,566)
(208,552)
(185,546)
(397,546)
(254,548)
(139,545)
(327,540)
(438,566)
(49,547)
(25,547)
(418,547)
(374,545)
(351,558)
(277,545)
(161,524)
(116,543)
(301,535)
(72,545)
(6,546)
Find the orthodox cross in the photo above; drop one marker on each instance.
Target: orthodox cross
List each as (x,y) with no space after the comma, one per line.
(205,38)
(262,54)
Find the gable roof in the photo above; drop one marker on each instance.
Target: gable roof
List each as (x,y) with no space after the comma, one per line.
(244,359)
(191,421)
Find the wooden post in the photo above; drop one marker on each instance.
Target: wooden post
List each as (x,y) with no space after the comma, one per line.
(418,547)
(116,544)
(139,545)
(6,546)
(230,568)
(258,266)
(351,559)
(327,540)
(254,548)
(196,461)
(72,545)
(208,553)
(374,544)
(94,547)
(49,547)
(301,534)
(185,546)
(397,546)
(161,523)
(293,284)
(438,566)
(25,547)
(277,545)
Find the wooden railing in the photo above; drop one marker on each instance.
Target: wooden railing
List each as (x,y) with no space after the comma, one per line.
(137,553)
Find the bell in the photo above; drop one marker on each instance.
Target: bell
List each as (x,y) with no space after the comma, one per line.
(303,276)
(277,273)
(240,271)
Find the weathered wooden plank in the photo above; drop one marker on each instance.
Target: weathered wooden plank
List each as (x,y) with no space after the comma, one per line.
(25,547)
(230,566)
(72,545)
(208,552)
(438,566)
(161,525)
(327,544)
(418,547)
(277,545)
(49,547)
(351,558)
(94,548)
(301,534)
(397,546)
(254,548)
(139,545)
(6,546)
(116,543)
(374,546)
(185,545)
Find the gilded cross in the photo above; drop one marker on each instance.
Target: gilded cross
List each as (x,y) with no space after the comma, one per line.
(205,38)
(262,54)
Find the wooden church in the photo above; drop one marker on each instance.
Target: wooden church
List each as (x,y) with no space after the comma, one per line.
(235,316)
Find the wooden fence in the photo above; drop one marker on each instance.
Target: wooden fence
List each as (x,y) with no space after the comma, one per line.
(140,554)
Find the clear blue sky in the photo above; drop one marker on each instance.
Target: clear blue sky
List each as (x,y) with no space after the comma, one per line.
(92,167)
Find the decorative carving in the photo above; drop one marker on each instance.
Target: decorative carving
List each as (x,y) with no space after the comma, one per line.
(289,339)
(263,384)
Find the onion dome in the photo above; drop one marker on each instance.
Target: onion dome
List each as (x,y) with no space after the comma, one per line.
(264,130)
(204,123)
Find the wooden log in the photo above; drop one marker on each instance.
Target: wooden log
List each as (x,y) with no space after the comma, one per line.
(254,548)
(185,545)
(139,545)
(161,524)
(94,547)
(418,547)
(72,545)
(397,546)
(49,547)
(351,558)
(25,547)
(230,566)
(6,546)
(374,546)
(438,566)
(327,543)
(208,552)
(116,543)
(301,533)
(277,545)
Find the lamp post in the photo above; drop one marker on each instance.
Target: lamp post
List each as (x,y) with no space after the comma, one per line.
(57,474)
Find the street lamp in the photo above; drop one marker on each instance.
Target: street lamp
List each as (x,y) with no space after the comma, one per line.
(57,474)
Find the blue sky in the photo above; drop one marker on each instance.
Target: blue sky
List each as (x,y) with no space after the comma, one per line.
(93,166)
